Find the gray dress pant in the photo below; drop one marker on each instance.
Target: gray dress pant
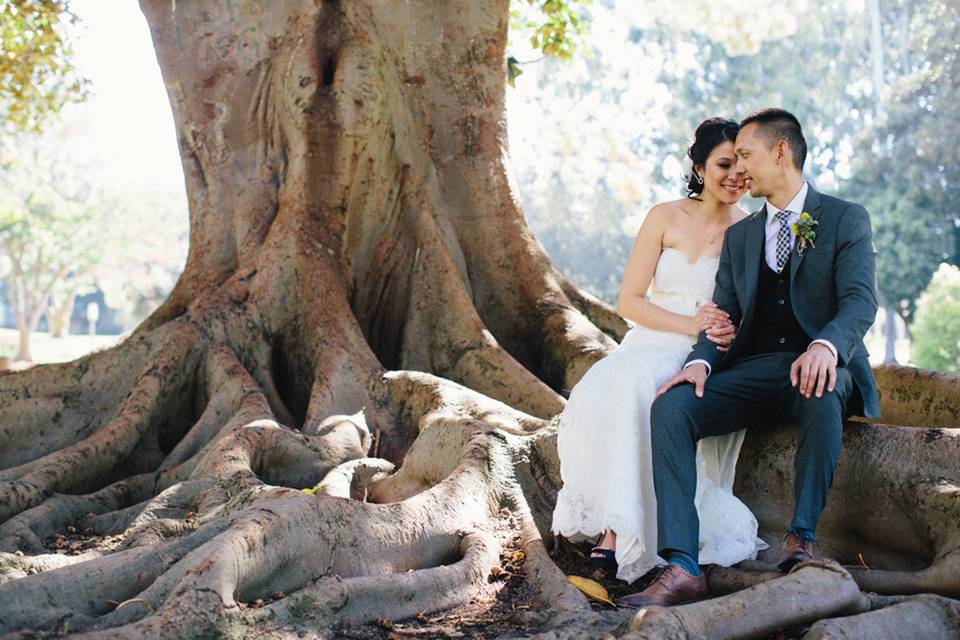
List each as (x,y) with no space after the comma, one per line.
(754,392)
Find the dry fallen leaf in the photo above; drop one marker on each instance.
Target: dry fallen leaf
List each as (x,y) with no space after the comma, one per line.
(592,589)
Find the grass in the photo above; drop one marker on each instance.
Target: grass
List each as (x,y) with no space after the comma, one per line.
(44,349)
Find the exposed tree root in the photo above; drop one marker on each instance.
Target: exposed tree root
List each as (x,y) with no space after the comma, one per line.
(925,616)
(78,593)
(83,465)
(814,590)
(918,397)
(17,565)
(335,601)
(598,312)
(724,580)
(306,539)
(892,513)
(352,479)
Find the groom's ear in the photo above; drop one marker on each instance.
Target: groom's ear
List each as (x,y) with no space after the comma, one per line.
(783,151)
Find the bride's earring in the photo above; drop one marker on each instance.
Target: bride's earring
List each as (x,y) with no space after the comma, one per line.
(697,177)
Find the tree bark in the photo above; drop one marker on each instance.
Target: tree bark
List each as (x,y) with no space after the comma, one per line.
(364,313)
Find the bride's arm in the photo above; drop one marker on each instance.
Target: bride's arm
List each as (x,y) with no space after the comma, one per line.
(641,265)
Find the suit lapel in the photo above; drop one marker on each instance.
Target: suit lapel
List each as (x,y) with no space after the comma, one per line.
(812,206)
(755,240)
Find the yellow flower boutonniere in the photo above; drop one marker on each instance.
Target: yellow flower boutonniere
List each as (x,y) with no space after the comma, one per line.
(803,228)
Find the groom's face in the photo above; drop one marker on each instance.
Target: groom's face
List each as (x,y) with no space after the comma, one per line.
(756,161)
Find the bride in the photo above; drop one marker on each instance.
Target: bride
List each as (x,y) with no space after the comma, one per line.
(604,433)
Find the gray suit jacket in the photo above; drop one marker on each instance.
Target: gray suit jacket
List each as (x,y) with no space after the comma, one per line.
(833,288)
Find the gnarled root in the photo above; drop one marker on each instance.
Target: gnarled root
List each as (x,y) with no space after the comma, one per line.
(159,390)
(894,503)
(814,590)
(76,594)
(598,312)
(352,479)
(926,616)
(917,397)
(333,601)
(724,580)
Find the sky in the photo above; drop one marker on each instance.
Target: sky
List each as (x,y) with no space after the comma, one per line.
(127,121)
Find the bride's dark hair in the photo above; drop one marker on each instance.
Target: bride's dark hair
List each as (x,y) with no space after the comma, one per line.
(711,133)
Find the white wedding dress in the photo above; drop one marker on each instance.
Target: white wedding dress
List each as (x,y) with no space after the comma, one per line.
(604,441)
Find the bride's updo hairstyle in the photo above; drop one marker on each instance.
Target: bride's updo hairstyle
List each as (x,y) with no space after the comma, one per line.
(711,133)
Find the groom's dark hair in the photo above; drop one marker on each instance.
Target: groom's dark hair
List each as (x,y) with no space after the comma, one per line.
(776,125)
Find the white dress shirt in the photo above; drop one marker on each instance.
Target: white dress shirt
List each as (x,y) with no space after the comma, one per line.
(771,229)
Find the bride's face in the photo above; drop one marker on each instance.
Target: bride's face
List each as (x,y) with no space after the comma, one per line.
(720,177)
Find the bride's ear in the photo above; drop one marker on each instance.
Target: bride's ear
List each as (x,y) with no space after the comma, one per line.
(698,173)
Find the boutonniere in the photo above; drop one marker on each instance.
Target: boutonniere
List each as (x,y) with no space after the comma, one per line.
(803,228)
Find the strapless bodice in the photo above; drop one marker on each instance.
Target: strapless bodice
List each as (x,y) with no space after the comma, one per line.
(679,286)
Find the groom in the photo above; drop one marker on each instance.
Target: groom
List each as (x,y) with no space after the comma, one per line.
(798,278)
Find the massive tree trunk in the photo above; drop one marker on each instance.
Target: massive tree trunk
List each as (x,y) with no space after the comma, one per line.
(364,312)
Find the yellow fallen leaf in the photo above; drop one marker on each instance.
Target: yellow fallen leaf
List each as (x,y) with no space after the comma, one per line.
(592,589)
(518,557)
(310,491)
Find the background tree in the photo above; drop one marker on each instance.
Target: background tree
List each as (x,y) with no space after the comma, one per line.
(906,173)
(140,271)
(52,233)
(64,232)
(936,329)
(365,313)
(37,77)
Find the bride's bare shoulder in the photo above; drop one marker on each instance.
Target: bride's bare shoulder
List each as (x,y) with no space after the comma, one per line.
(668,209)
(672,205)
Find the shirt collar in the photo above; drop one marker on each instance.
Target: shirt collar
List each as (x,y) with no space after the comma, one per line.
(795,205)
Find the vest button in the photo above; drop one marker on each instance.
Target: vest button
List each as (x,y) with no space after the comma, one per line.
(782,340)
(781,282)
(780,302)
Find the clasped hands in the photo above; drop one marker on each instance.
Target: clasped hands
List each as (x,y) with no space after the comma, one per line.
(716,323)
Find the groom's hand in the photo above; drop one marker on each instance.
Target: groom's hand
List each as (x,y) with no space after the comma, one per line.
(722,334)
(695,374)
(815,369)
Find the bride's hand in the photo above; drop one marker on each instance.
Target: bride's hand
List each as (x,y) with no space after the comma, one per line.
(709,315)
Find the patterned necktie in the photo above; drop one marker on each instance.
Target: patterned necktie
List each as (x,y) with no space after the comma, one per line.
(784,238)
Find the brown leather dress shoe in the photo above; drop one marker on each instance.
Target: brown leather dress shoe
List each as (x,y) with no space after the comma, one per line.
(796,549)
(673,586)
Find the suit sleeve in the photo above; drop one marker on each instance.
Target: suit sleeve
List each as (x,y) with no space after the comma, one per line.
(856,284)
(725,297)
